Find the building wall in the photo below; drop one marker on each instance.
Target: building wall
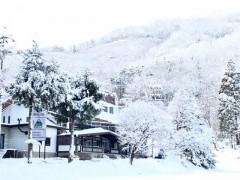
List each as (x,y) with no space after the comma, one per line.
(15,112)
(17,139)
(4,131)
(50,133)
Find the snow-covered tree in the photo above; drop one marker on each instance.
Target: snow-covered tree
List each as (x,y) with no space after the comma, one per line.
(78,101)
(4,39)
(34,86)
(192,138)
(139,122)
(147,88)
(229,97)
(124,77)
(138,89)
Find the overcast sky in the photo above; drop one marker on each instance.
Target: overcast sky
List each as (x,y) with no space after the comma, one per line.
(67,22)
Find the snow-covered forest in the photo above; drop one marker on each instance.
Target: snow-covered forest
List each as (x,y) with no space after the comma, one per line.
(167,55)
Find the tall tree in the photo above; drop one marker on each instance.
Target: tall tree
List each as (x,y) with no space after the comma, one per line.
(78,102)
(229,109)
(4,39)
(139,122)
(34,86)
(193,138)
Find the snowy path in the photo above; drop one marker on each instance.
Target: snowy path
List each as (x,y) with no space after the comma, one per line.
(228,166)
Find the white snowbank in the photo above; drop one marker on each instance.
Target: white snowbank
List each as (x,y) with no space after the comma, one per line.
(33,141)
(228,166)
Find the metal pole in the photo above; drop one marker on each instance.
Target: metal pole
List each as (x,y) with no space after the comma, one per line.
(39,151)
(44,150)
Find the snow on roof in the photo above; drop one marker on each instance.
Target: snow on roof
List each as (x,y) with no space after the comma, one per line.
(104,103)
(91,131)
(106,116)
(33,141)
(112,118)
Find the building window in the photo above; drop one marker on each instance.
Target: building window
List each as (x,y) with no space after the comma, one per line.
(64,140)
(114,145)
(3,119)
(48,141)
(105,108)
(111,110)
(27,119)
(8,119)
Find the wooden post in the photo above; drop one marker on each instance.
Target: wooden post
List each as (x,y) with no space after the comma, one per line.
(101,141)
(57,145)
(81,144)
(92,143)
(118,148)
(110,144)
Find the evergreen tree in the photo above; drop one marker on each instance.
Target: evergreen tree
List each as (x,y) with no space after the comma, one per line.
(4,39)
(192,138)
(34,86)
(229,109)
(78,102)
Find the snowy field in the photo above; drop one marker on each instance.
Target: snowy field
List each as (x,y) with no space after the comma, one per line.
(228,166)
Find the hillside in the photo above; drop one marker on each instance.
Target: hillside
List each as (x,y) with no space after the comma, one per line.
(183,52)
(211,41)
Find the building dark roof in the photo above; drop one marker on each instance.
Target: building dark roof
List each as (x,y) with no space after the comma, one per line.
(7,104)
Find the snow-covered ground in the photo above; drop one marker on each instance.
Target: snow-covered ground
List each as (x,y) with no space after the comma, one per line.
(228,166)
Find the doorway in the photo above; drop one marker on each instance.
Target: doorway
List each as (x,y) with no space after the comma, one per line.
(2,141)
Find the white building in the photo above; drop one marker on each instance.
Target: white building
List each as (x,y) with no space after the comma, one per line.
(14,134)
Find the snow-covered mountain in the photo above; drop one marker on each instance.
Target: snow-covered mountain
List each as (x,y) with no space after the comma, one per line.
(181,52)
(210,41)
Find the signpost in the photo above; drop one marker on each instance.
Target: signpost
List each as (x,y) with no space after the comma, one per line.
(39,127)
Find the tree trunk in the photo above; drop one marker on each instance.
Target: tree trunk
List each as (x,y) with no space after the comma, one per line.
(237,139)
(132,155)
(233,141)
(71,149)
(2,61)
(30,146)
